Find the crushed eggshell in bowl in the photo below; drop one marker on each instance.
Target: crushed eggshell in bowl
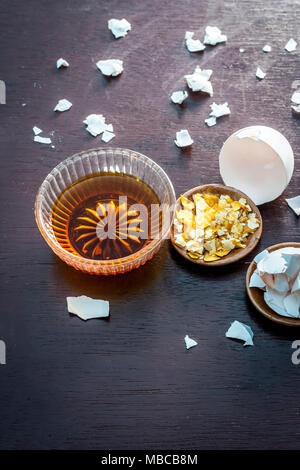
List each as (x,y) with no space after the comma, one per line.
(273,283)
(215,225)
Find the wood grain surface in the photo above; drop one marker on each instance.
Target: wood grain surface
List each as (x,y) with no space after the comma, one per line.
(129,382)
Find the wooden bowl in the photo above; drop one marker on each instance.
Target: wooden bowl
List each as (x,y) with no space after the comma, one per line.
(257,295)
(237,253)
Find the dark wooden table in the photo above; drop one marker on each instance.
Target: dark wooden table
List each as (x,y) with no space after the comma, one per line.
(129,382)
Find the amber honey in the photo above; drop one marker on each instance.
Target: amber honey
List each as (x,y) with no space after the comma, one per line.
(106,216)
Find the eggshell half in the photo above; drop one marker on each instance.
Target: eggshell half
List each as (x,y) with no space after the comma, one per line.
(257,160)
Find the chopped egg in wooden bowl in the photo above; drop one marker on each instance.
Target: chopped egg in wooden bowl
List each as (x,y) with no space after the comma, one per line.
(215,225)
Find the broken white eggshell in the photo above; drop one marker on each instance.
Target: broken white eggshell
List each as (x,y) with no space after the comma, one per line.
(189,342)
(295,97)
(42,140)
(193,45)
(267,48)
(63,105)
(96,124)
(294,203)
(199,80)
(107,136)
(213,36)
(296,109)
(219,110)
(36,130)
(259,161)
(183,138)
(291,45)
(178,97)
(240,331)
(211,121)
(110,67)
(242,50)
(277,273)
(260,74)
(86,308)
(119,28)
(61,63)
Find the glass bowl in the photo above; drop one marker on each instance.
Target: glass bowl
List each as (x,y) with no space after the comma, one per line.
(110,160)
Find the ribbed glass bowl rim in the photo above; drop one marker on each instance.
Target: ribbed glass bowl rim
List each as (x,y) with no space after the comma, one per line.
(120,261)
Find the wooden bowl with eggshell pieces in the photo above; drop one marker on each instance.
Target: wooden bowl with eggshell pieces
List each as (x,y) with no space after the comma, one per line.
(237,253)
(256,295)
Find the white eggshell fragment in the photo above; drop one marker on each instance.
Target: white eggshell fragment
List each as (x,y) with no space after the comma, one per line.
(256,280)
(178,97)
(211,121)
(213,36)
(107,136)
(42,140)
(110,67)
(96,124)
(241,331)
(291,45)
(296,109)
(86,308)
(63,105)
(189,342)
(260,74)
(61,63)
(296,97)
(267,48)
(193,45)
(183,138)
(36,130)
(294,203)
(259,161)
(119,28)
(199,80)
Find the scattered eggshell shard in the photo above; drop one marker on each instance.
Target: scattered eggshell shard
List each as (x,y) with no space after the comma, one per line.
(107,136)
(279,271)
(240,331)
(87,308)
(242,50)
(189,342)
(257,160)
(296,109)
(183,138)
(119,28)
(36,130)
(212,121)
(267,48)
(193,45)
(218,110)
(294,203)
(110,67)
(178,97)
(42,140)
(199,81)
(260,74)
(63,105)
(213,36)
(96,125)
(291,45)
(296,97)
(61,63)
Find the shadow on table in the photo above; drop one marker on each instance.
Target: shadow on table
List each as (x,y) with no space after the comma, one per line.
(112,287)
